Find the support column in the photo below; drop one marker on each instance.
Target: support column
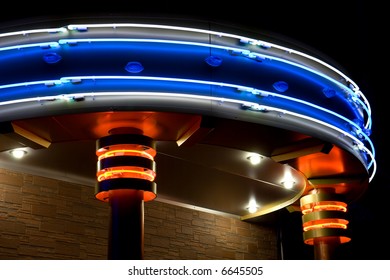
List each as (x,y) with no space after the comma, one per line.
(125,179)
(126,235)
(324,222)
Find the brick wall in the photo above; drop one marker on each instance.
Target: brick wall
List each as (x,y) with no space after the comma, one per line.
(44,218)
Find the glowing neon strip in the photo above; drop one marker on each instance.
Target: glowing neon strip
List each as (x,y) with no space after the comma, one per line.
(46,83)
(25,46)
(241,38)
(121,172)
(238,87)
(325,225)
(118,152)
(34,31)
(330,207)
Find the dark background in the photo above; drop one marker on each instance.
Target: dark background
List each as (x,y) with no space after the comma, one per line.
(347,34)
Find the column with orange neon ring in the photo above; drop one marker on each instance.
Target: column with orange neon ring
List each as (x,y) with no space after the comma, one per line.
(324,221)
(125,178)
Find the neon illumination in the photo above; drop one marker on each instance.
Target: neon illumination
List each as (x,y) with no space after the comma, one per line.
(219,34)
(329,100)
(323,218)
(325,223)
(125,150)
(123,165)
(324,205)
(125,172)
(240,88)
(251,41)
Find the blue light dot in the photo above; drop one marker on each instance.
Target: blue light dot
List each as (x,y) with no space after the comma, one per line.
(280,86)
(52,58)
(214,61)
(134,67)
(328,92)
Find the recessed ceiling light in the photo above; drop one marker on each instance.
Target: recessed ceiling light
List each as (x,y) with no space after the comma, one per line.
(253,206)
(288,184)
(252,209)
(18,153)
(254,159)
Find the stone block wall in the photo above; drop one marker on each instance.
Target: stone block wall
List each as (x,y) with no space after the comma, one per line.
(44,218)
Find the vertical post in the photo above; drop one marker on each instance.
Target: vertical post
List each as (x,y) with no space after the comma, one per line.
(324,249)
(126,236)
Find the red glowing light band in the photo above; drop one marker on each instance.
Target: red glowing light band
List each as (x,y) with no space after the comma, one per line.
(125,172)
(324,206)
(325,223)
(126,150)
(327,235)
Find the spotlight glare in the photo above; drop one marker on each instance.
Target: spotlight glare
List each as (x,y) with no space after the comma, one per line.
(252,209)
(254,159)
(18,153)
(288,184)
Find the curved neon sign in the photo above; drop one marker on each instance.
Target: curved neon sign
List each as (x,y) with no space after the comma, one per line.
(92,61)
